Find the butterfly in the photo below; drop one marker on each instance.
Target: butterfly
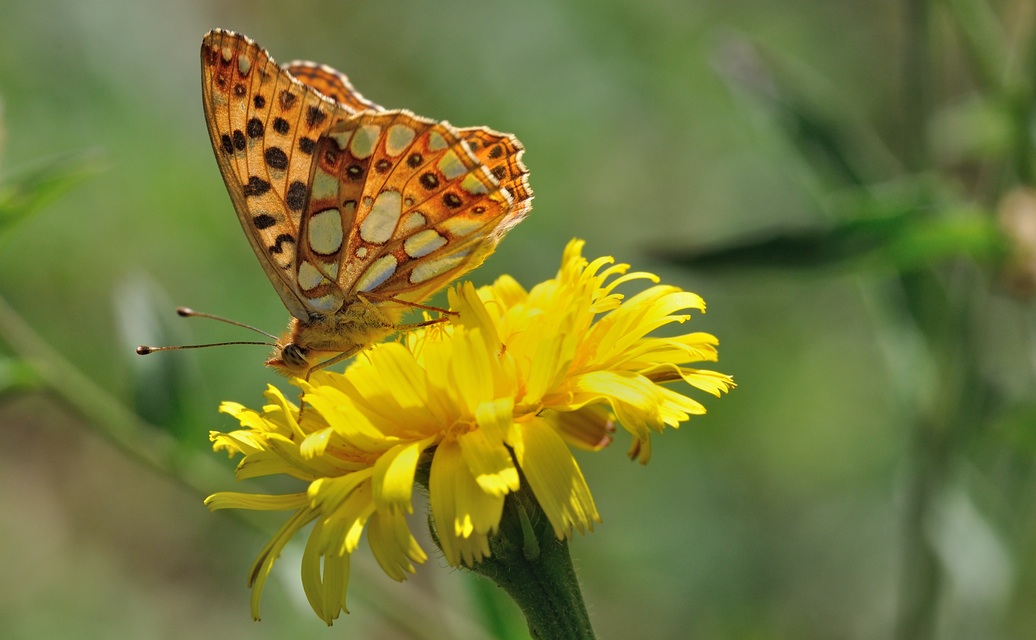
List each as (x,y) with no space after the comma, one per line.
(356,213)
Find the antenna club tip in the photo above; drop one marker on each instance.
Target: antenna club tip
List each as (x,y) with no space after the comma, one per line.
(184,312)
(143,350)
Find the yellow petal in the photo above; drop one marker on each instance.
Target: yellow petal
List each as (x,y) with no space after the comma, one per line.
(508,292)
(259,502)
(264,561)
(589,428)
(633,398)
(471,370)
(393,545)
(394,475)
(464,514)
(496,419)
(549,364)
(556,480)
(489,462)
(325,577)
(328,494)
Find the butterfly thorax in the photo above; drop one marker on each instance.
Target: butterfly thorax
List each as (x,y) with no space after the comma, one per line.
(307,344)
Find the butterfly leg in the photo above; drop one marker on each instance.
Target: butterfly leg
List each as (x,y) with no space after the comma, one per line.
(410,326)
(373,297)
(368,301)
(334,360)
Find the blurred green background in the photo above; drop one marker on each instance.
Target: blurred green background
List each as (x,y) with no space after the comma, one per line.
(807,504)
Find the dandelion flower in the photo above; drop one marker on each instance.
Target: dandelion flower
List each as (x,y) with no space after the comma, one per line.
(471,409)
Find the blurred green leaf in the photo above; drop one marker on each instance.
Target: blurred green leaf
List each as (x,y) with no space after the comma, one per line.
(1017,428)
(984,38)
(28,190)
(977,129)
(902,241)
(812,248)
(160,384)
(17,375)
(807,110)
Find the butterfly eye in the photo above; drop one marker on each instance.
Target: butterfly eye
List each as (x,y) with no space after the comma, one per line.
(294,356)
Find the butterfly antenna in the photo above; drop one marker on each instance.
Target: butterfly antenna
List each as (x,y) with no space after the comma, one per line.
(184,312)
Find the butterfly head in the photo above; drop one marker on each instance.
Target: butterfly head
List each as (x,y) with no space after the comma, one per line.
(323,340)
(290,360)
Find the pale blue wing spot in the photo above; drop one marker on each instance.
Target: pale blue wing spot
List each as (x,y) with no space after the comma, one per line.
(423,242)
(376,274)
(380,223)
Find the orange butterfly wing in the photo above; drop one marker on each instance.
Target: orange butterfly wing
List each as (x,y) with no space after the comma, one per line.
(264,126)
(399,207)
(500,152)
(340,198)
(330,83)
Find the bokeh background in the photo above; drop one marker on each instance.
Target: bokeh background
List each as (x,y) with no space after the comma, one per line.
(652,130)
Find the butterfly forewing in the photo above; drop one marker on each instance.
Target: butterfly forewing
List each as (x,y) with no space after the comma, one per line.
(264,126)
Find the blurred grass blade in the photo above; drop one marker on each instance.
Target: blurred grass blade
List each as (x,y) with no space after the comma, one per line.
(901,242)
(17,375)
(985,39)
(811,115)
(26,191)
(798,249)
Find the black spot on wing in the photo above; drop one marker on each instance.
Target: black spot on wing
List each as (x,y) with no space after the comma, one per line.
(255,128)
(296,197)
(314,116)
(287,99)
(276,158)
(280,241)
(263,221)
(451,200)
(256,186)
(429,180)
(355,171)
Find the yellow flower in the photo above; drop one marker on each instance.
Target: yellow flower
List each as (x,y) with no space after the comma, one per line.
(494,398)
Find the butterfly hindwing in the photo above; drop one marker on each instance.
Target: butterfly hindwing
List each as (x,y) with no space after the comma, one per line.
(331,83)
(500,152)
(502,155)
(399,207)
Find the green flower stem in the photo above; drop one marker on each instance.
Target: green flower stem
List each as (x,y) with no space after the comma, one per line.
(535,569)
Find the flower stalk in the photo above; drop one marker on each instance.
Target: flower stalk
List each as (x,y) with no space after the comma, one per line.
(534,567)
